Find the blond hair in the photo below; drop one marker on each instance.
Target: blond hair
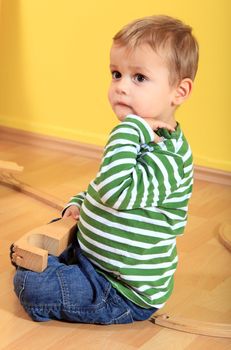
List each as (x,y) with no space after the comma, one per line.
(167,36)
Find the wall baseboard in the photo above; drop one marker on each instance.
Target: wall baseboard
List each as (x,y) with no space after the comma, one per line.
(94,152)
(212,175)
(50,142)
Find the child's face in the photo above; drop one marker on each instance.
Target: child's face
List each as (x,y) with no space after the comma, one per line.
(140,84)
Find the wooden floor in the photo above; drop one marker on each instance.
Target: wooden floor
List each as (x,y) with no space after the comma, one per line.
(203,279)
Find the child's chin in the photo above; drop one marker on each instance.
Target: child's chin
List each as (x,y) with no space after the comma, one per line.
(121,117)
(122,111)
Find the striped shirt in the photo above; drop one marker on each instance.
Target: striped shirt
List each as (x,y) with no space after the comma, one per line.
(135,208)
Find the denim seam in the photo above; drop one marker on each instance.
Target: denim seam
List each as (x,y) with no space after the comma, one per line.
(125,314)
(44,307)
(107,293)
(89,309)
(95,307)
(23,287)
(63,287)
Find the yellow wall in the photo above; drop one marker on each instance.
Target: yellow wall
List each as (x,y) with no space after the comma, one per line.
(54,69)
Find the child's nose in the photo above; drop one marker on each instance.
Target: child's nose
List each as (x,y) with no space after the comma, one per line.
(122,86)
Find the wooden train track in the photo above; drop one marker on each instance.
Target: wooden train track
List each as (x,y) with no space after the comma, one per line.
(224,235)
(210,329)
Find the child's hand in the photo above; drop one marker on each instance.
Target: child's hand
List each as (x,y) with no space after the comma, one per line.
(158,124)
(72,211)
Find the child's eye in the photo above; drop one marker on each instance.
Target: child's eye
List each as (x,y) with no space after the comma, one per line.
(116,75)
(140,78)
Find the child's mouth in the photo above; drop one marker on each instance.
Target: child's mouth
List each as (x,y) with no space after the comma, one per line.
(121,104)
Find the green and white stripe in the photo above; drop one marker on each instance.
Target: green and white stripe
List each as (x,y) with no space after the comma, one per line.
(135,208)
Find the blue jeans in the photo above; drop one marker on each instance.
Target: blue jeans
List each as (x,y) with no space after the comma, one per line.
(70,289)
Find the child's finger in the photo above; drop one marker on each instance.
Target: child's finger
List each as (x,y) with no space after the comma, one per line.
(165,126)
(66,214)
(75,215)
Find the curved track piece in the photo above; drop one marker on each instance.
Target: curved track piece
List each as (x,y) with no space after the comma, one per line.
(211,329)
(225,235)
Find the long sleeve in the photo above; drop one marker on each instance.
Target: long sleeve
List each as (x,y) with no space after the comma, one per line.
(75,200)
(130,175)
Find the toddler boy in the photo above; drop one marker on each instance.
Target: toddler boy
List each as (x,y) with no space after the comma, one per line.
(124,258)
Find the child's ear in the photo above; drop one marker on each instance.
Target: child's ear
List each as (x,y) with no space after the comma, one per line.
(182,91)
